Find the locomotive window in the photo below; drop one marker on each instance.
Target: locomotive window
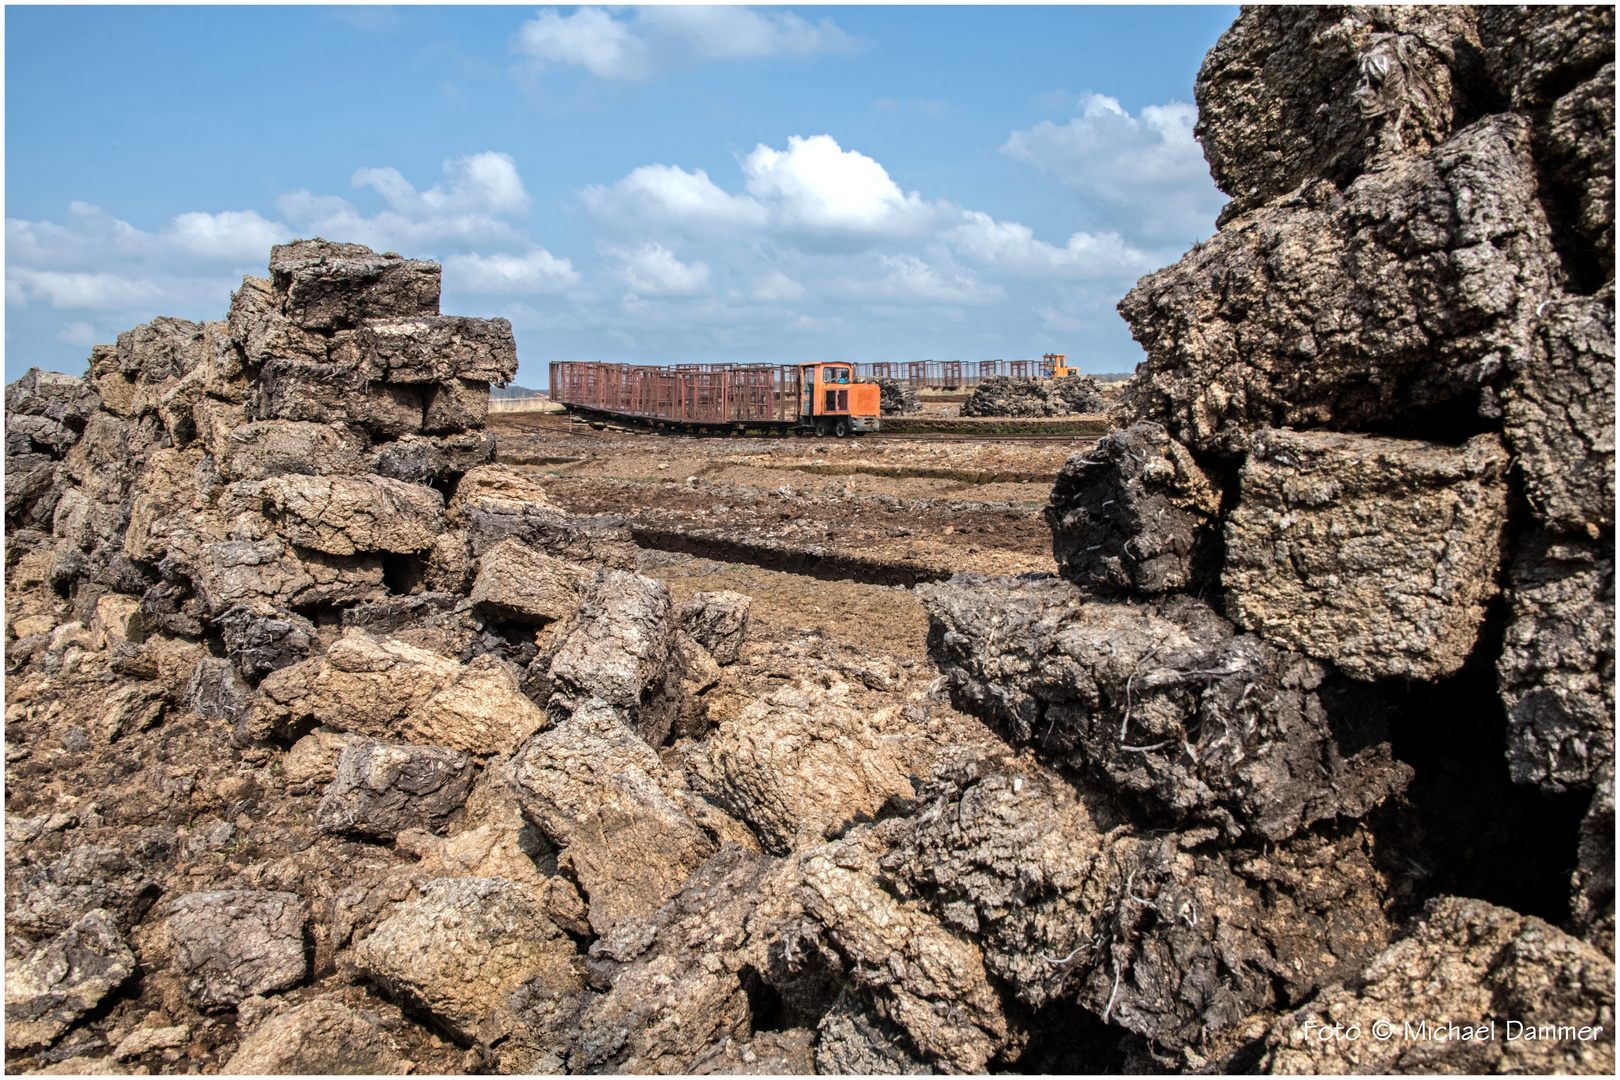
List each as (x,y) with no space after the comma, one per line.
(838,375)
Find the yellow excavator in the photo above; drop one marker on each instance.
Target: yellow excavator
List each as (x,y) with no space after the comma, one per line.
(1054,365)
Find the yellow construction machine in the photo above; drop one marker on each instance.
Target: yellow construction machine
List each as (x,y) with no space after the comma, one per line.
(1054,366)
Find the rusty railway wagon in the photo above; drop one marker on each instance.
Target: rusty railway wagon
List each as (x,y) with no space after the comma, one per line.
(820,399)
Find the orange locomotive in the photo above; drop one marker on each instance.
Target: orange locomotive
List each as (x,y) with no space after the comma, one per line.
(821,398)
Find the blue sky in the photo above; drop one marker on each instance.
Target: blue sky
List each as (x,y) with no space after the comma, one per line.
(647,185)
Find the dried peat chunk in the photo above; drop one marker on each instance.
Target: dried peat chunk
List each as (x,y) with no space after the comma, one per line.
(923,979)
(259,328)
(89,537)
(483,711)
(323,1037)
(455,406)
(215,689)
(1023,869)
(51,985)
(1577,147)
(1042,877)
(367,686)
(718,621)
(261,638)
(767,1053)
(439,622)
(598,791)
(37,435)
(1134,512)
(1591,903)
(1473,965)
(343,515)
(464,949)
(895,396)
(1198,943)
(267,448)
(1533,53)
(435,350)
(603,539)
(240,571)
(495,488)
(169,514)
(1171,706)
(1000,395)
(677,976)
(1556,672)
(49,395)
(313,758)
(516,582)
(49,897)
(618,645)
(34,488)
(1290,94)
(1558,416)
(799,767)
(162,349)
(850,1041)
(334,394)
(329,286)
(381,789)
(1415,286)
(1378,555)
(232,945)
(426,459)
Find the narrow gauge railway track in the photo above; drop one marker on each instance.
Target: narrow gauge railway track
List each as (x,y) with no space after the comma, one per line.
(968,436)
(855,440)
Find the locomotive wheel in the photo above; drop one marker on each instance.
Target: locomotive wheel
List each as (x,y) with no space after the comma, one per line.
(841,429)
(821,428)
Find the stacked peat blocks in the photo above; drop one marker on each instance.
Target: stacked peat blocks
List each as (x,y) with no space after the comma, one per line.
(1362,506)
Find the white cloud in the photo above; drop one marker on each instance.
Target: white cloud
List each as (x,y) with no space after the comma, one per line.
(81,334)
(78,290)
(1013,247)
(481,191)
(659,39)
(94,261)
(486,182)
(537,272)
(817,186)
(653,270)
(777,288)
(1148,166)
(234,234)
(667,193)
(907,279)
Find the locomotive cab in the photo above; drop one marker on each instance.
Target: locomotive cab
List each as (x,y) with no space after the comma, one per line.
(831,401)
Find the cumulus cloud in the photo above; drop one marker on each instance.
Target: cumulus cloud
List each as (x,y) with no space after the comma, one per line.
(234,234)
(817,186)
(813,189)
(94,261)
(539,271)
(908,279)
(1148,165)
(653,270)
(78,290)
(480,191)
(669,194)
(1010,246)
(81,334)
(654,40)
(777,288)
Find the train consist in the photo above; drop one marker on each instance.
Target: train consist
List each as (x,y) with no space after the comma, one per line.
(823,399)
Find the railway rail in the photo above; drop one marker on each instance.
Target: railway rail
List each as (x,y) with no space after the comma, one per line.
(619,427)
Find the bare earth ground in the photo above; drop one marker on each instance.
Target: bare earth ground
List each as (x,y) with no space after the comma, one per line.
(884,510)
